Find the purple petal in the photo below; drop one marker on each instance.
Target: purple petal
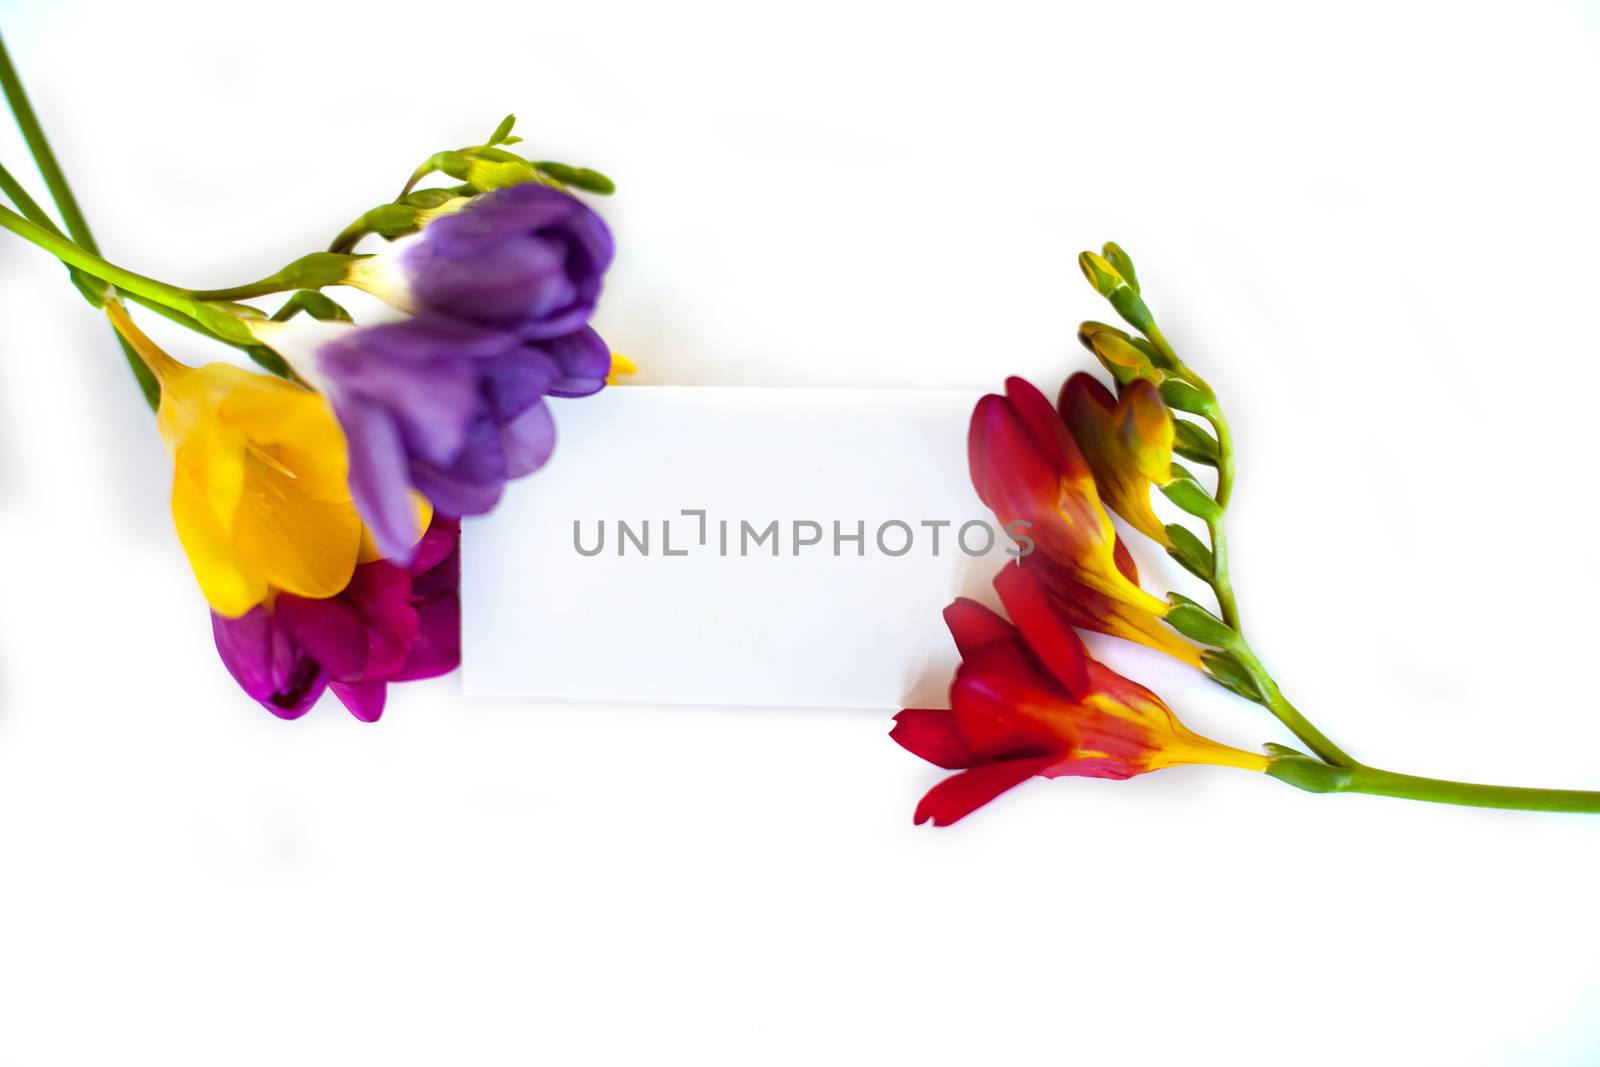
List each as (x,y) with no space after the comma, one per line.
(438,546)
(381,593)
(379,481)
(364,700)
(438,647)
(267,663)
(528,443)
(332,631)
(514,382)
(471,485)
(585,361)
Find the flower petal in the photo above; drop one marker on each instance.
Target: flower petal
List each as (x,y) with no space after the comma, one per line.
(961,794)
(931,733)
(364,700)
(267,664)
(973,625)
(379,479)
(1047,634)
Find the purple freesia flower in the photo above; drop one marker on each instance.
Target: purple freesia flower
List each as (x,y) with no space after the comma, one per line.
(448,408)
(527,258)
(391,624)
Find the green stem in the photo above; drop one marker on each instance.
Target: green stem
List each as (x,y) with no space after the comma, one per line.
(308,272)
(56,181)
(78,256)
(1221,581)
(1304,773)
(33,133)
(1287,713)
(1441,791)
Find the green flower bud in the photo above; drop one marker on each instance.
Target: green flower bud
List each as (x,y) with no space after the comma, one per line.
(1186,492)
(1101,274)
(1196,623)
(502,132)
(1194,443)
(1182,396)
(1189,551)
(1117,353)
(1225,669)
(1122,262)
(590,181)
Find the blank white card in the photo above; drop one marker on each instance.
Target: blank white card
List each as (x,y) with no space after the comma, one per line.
(732,546)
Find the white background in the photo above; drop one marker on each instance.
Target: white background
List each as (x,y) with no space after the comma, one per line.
(1372,225)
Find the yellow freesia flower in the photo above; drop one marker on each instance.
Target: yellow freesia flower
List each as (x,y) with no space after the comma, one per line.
(260,493)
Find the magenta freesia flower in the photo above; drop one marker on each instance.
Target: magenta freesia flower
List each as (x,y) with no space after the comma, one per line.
(391,624)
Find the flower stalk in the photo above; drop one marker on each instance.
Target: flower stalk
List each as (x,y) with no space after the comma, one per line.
(61,192)
(1230,660)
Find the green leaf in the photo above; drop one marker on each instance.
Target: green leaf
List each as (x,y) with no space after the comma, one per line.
(1196,623)
(1190,551)
(1226,670)
(590,181)
(1195,444)
(1186,491)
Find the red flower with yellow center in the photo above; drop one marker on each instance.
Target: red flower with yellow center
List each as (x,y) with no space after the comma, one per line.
(1026,466)
(1028,702)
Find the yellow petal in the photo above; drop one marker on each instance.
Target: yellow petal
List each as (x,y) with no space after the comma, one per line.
(229,586)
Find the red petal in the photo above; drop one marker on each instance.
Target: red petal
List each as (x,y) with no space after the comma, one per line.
(1001,698)
(1010,472)
(931,733)
(1090,387)
(1125,563)
(962,794)
(973,625)
(1046,633)
(1044,425)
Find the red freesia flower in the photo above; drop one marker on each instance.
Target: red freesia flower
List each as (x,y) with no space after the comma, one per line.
(1028,702)
(1025,465)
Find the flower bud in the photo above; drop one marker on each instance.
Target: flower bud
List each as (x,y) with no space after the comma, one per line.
(1117,353)
(1225,669)
(1190,551)
(1123,295)
(1186,491)
(1122,262)
(1193,443)
(1196,623)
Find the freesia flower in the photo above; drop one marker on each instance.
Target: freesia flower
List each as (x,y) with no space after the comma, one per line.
(1028,702)
(1127,442)
(260,492)
(528,258)
(445,407)
(1026,466)
(389,624)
